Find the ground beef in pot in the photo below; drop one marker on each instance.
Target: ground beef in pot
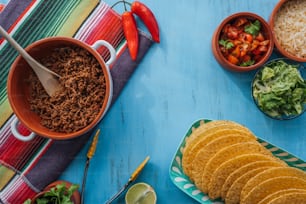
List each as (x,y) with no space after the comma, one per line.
(83,90)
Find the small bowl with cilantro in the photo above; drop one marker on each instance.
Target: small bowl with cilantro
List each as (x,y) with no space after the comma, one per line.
(279,89)
(242,42)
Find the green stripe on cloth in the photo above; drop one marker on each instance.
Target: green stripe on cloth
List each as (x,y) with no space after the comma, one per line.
(46,19)
(3,89)
(77,18)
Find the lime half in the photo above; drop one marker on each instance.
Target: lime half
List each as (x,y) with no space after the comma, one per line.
(140,193)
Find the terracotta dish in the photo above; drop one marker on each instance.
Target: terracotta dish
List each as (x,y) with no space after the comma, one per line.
(19,92)
(287,22)
(219,35)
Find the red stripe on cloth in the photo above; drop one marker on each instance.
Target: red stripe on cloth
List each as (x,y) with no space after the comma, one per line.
(20,17)
(38,156)
(104,25)
(16,153)
(107,29)
(17,192)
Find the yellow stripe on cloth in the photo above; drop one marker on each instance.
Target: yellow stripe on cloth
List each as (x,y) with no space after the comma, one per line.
(77,18)
(5,112)
(6,175)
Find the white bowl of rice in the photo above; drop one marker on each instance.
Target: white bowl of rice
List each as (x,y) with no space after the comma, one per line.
(288,24)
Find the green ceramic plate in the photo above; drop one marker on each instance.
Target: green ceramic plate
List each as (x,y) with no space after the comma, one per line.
(182,181)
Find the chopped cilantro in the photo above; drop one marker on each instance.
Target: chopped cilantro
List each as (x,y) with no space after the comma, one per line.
(59,194)
(253,28)
(247,63)
(226,43)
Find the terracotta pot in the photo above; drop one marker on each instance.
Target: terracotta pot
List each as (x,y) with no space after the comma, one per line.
(216,37)
(278,45)
(76,198)
(18,88)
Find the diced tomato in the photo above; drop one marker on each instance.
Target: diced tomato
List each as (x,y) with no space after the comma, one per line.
(265,42)
(225,29)
(240,21)
(232,33)
(257,58)
(248,37)
(236,52)
(246,58)
(256,51)
(245,47)
(260,37)
(242,53)
(224,50)
(237,42)
(232,59)
(245,37)
(256,42)
(263,48)
(254,45)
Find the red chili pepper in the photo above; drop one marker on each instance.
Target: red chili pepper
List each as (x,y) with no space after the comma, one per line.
(148,18)
(130,33)
(1,7)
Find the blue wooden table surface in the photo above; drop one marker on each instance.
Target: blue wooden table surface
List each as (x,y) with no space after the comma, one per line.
(177,83)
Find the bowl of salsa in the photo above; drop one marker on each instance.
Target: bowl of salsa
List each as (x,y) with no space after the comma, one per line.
(242,42)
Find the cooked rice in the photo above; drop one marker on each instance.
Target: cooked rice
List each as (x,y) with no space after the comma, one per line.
(290,27)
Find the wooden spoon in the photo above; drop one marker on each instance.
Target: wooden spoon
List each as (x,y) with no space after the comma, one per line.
(48,78)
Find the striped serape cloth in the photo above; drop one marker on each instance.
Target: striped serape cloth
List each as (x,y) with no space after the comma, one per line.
(27,167)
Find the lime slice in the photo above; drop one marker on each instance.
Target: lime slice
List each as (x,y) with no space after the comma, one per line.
(140,193)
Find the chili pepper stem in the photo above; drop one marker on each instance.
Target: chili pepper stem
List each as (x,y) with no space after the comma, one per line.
(122,1)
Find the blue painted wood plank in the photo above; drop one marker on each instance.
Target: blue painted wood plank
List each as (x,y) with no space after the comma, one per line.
(177,83)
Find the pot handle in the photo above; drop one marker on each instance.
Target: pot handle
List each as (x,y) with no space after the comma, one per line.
(111,49)
(19,136)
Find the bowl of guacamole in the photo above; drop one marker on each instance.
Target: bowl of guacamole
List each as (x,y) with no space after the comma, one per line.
(279,89)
